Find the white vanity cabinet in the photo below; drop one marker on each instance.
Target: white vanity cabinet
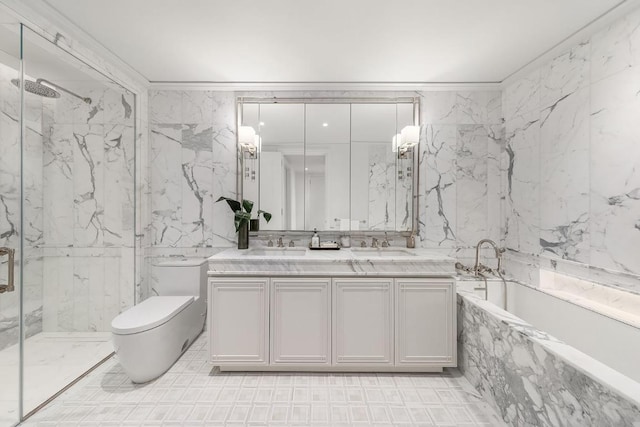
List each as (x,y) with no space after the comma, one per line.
(425,322)
(300,321)
(362,322)
(332,323)
(238,321)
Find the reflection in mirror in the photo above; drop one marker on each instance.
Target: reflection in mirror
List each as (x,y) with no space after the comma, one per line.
(327,154)
(330,165)
(276,182)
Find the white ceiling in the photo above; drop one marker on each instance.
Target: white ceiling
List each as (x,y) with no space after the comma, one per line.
(331,40)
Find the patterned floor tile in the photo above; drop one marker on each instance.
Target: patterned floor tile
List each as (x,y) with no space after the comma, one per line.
(192,394)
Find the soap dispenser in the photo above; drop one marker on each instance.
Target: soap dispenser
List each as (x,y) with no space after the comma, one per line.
(315,239)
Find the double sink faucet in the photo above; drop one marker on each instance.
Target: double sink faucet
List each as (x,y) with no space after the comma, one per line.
(374,242)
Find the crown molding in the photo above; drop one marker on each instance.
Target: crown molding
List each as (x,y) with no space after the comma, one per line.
(583,34)
(324,86)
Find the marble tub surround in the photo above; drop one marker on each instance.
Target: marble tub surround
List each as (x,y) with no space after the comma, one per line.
(262,260)
(533,379)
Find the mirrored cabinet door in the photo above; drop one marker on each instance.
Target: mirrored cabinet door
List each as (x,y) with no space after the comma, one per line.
(327,168)
(334,166)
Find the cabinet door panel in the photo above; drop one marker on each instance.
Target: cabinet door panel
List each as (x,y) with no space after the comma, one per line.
(300,321)
(239,321)
(425,322)
(362,321)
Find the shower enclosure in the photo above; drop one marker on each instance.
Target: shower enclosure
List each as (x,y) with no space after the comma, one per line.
(67,209)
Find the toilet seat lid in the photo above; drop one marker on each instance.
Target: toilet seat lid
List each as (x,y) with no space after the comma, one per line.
(148,314)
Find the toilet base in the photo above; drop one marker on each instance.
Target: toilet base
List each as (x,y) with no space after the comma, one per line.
(144,356)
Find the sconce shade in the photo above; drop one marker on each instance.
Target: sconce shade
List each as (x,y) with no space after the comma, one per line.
(246,135)
(409,136)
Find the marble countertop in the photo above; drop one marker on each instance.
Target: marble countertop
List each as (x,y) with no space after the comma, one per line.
(259,261)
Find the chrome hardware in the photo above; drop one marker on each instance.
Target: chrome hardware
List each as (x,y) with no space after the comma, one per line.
(9,287)
(291,244)
(411,241)
(374,242)
(280,244)
(363,244)
(385,242)
(498,251)
(270,242)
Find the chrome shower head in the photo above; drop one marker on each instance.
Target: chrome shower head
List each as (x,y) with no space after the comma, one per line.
(37,88)
(47,89)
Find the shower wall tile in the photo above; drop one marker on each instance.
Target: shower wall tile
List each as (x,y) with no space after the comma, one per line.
(572,147)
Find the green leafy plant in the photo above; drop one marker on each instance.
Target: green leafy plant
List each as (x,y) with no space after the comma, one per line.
(242,211)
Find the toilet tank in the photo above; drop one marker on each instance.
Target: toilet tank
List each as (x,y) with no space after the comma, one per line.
(180,277)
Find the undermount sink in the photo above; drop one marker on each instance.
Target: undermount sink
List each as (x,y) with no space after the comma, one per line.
(279,252)
(385,253)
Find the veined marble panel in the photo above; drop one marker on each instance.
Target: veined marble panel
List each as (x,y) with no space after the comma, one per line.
(479,107)
(522,96)
(439,108)
(615,175)
(522,186)
(564,177)
(224,166)
(564,75)
(58,187)
(166,173)
(616,48)
(437,186)
(471,184)
(165,107)
(197,183)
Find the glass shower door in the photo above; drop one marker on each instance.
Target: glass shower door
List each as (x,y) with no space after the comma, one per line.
(10,221)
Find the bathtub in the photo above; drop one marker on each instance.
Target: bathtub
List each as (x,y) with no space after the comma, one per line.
(555,356)
(602,322)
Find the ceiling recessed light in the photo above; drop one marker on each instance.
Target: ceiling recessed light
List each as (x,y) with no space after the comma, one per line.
(261,123)
(306,169)
(325,124)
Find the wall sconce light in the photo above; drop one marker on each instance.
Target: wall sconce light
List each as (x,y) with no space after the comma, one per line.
(409,136)
(247,140)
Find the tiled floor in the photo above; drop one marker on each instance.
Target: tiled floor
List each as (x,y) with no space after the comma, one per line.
(69,353)
(189,394)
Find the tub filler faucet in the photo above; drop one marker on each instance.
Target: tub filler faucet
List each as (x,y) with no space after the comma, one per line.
(476,267)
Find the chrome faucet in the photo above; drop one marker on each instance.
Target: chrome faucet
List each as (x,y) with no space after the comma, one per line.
(385,242)
(374,242)
(476,268)
(280,243)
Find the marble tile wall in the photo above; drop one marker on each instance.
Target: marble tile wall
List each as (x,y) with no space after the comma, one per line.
(192,142)
(532,379)
(88,199)
(571,165)
(460,186)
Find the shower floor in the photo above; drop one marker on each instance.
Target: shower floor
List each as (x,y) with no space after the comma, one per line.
(52,361)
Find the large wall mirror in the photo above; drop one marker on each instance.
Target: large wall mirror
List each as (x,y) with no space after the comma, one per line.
(332,165)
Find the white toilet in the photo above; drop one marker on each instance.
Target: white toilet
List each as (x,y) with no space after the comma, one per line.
(149,337)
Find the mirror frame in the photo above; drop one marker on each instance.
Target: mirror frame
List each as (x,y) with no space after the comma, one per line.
(413,152)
